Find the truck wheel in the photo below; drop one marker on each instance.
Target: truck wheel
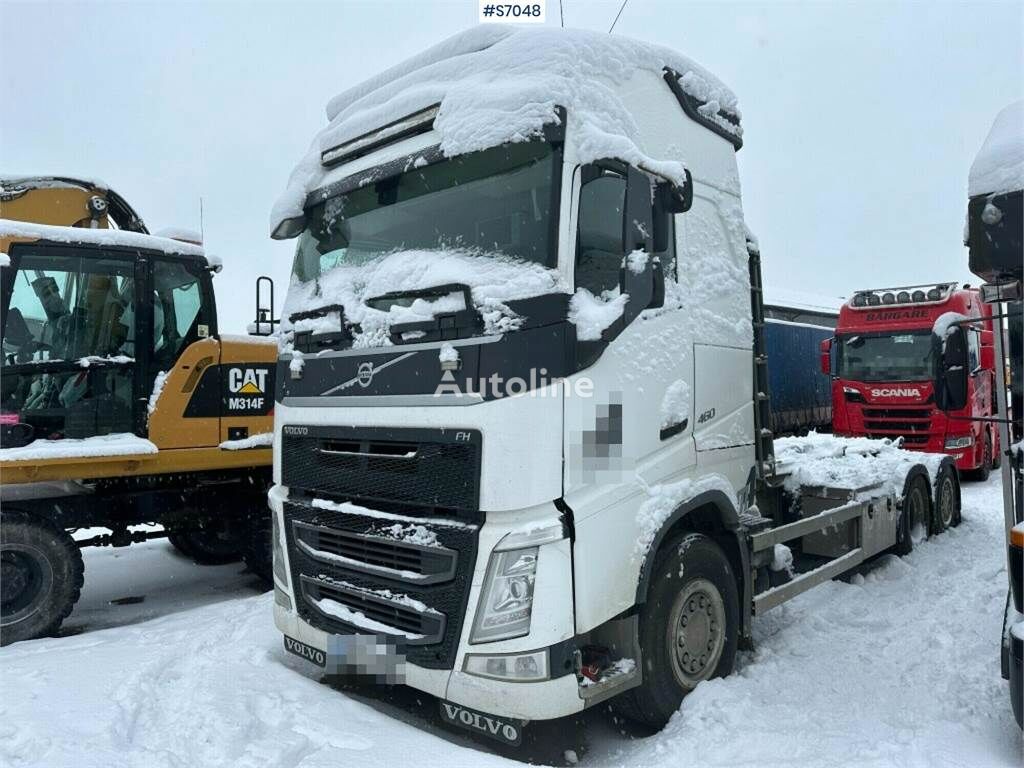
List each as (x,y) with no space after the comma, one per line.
(41,577)
(947,503)
(208,547)
(258,555)
(914,515)
(982,472)
(688,628)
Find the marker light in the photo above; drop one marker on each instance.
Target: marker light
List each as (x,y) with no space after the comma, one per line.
(873,300)
(918,296)
(903,297)
(859,300)
(888,298)
(934,294)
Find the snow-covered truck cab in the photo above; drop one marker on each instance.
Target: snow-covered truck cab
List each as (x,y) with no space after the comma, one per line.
(882,362)
(515,396)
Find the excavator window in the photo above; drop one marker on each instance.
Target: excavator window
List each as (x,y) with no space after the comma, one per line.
(66,364)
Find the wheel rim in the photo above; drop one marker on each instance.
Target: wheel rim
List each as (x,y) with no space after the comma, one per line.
(696,632)
(946,502)
(25,579)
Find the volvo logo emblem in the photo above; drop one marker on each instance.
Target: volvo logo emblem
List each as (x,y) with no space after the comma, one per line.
(364,374)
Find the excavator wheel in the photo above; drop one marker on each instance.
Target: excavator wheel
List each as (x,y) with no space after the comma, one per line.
(208,546)
(41,577)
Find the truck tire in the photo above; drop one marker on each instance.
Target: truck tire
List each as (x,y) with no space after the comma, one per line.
(258,555)
(208,546)
(916,511)
(947,500)
(982,472)
(41,577)
(689,628)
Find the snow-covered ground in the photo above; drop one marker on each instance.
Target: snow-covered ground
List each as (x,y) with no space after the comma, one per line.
(899,667)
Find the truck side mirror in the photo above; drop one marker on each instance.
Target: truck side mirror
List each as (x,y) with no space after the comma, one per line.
(951,380)
(265,322)
(669,199)
(825,350)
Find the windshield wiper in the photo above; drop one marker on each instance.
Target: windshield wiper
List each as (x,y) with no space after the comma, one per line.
(443,326)
(308,341)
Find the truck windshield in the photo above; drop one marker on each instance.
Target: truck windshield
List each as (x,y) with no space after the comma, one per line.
(908,356)
(494,201)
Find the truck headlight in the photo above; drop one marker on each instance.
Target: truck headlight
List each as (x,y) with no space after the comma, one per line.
(952,443)
(506,601)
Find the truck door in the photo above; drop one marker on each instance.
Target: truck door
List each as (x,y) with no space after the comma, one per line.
(68,368)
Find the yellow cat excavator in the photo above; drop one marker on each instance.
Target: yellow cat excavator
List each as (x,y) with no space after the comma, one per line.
(121,402)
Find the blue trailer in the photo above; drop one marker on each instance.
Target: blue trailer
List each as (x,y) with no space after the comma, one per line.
(801,395)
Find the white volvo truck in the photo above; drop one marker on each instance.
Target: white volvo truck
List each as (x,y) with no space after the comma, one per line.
(519,458)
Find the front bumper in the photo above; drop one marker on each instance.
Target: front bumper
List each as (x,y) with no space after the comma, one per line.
(542,700)
(552,624)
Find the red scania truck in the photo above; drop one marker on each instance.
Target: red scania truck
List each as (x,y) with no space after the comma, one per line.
(882,362)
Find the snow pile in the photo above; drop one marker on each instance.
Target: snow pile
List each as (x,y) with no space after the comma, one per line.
(154,396)
(409,533)
(119,444)
(261,440)
(999,165)
(90,360)
(448,353)
(5,260)
(675,405)
(30,231)
(782,559)
(593,314)
(663,500)
(180,233)
(493,279)
(848,462)
(497,84)
(348,508)
(636,261)
(296,364)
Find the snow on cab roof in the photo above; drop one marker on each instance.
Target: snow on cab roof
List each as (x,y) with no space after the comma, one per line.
(999,166)
(496,84)
(10,228)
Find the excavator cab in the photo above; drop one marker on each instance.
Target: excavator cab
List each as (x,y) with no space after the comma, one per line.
(87,329)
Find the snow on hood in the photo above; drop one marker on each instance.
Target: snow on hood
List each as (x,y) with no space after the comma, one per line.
(493,279)
(10,228)
(999,166)
(848,462)
(497,84)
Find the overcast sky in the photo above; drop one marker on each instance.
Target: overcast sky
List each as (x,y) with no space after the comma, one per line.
(861,119)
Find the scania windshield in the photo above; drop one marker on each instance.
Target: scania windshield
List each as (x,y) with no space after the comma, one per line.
(906,356)
(499,201)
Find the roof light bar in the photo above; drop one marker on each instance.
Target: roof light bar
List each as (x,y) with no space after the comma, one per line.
(929,293)
(418,122)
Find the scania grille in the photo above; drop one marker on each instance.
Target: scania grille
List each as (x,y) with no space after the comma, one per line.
(912,424)
(409,573)
(426,467)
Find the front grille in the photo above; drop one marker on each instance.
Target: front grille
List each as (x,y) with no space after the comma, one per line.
(383,555)
(912,424)
(427,467)
(358,558)
(420,627)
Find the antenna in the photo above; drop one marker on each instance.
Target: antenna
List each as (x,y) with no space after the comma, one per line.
(561,14)
(621,9)
(202,234)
